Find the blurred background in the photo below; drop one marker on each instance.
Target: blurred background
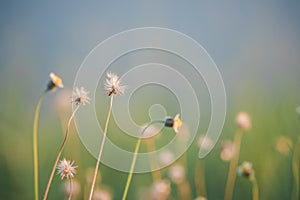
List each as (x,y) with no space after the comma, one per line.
(255,45)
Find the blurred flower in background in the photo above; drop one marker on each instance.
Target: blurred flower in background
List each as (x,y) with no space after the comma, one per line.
(283,145)
(243,121)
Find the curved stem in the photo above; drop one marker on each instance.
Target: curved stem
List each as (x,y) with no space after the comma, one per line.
(70,192)
(59,154)
(137,146)
(35,146)
(295,165)
(131,169)
(233,165)
(101,149)
(255,193)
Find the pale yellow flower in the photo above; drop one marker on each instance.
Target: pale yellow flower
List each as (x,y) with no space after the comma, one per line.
(175,123)
(283,145)
(246,170)
(55,82)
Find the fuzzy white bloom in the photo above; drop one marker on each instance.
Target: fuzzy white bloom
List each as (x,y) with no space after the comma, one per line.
(80,96)
(161,190)
(166,157)
(112,85)
(243,121)
(177,173)
(228,151)
(102,194)
(205,142)
(66,169)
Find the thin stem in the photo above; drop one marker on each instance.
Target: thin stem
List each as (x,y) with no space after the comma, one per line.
(137,146)
(184,190)
(131,169)
(295,165)
(35,147)
(101,149)
(70,192)
(59,154)
(200,179)
(233,165)
(255,193)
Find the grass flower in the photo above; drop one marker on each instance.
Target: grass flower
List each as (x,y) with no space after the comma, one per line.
(227,151)
(112,87)
(166,157)
(161,190)
(177,173)
(66,169)
(243,121)
(246,170)
(283,145)
(54,82)
(83,100)
(244,124)
(80,97)
(102,194)
(175,123)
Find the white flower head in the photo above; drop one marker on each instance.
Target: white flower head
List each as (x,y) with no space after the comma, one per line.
(112,85)
(205,142)
(177,173)
(102,194)
(161,189)
(80,96)
(66,169)
(243,121)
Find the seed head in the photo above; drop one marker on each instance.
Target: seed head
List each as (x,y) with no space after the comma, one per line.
(112,85)
(80,96)
(66,169)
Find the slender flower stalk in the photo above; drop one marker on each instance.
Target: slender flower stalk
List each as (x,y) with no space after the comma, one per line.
(52,85)
(233,165)
(175,123)
(35,147)
(101,150)
(112,87)
(255,191)
(80,97)
(70,194)
(295,166)
(200,178)
(244,124)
